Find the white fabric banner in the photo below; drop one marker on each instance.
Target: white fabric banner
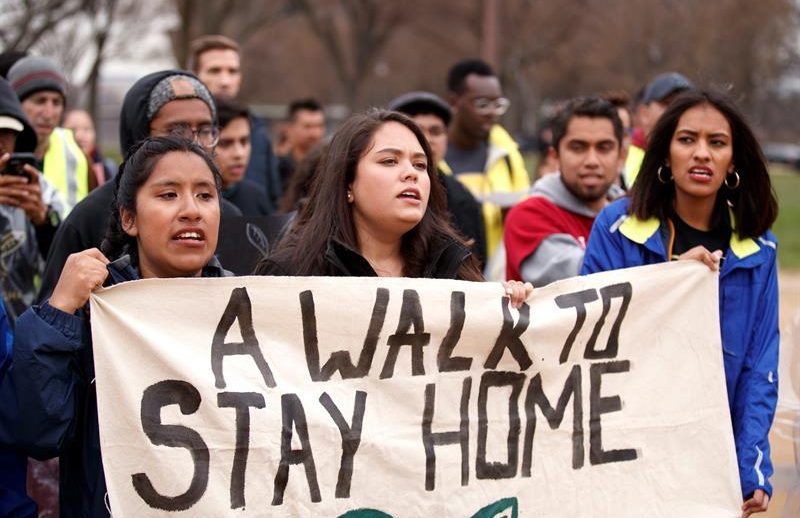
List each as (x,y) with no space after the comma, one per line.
(286,396)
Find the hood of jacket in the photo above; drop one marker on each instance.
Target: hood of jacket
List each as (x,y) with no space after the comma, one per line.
(553,188)
(134,126)
(11,107)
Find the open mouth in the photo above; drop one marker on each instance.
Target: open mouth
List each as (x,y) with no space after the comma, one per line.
(190,235)
(411,194)
(700,173)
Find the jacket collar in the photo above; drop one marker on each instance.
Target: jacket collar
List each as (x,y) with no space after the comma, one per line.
(444,264)
(646,233)
(123,270)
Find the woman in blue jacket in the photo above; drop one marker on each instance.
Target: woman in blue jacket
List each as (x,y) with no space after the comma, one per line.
(165,223)
(704,193)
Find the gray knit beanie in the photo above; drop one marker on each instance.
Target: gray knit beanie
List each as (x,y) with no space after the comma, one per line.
(35,73)
(179,86)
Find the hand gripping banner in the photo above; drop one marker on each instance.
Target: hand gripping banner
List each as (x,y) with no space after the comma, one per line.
(287,396)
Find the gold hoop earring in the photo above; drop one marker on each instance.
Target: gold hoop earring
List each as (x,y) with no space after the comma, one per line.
(658,174)
(735,185)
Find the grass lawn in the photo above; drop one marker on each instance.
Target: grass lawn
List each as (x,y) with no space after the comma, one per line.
(787,227)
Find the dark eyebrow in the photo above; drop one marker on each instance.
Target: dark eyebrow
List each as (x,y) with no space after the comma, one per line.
(166,183)
(694,133)
(395,151)
(576,140)
(174,183)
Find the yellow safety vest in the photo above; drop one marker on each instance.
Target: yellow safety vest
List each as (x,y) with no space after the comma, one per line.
(66,167)
(505,173)
(632,164)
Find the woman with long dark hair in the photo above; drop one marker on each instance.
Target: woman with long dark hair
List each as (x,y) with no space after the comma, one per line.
(377,208)
(165,221)
(704,193)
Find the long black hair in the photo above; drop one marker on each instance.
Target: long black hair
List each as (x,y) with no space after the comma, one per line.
(753,202)
(327,214)
(133,173)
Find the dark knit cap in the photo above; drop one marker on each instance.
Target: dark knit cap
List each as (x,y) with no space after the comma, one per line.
(179,87)
(35,73)
(148,95)
(416,103)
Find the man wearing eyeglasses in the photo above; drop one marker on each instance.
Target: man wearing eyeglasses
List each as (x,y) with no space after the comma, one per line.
(480,153)
(169,102)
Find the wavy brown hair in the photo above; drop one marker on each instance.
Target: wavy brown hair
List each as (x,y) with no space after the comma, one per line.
(754,204)
(327,214)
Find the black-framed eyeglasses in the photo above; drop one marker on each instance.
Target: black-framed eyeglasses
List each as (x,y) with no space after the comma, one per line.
(206,136)
(486,106)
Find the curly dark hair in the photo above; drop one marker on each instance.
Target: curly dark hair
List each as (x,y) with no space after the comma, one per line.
(754,204)
(327,214)
(133,173)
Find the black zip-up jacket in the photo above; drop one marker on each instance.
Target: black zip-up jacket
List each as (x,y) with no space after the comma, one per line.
(447,256)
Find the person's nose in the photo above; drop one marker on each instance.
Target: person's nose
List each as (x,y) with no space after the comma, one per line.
(50,113)
(190,208)
(239,150)
(410,173)
(702,153)
(592,158)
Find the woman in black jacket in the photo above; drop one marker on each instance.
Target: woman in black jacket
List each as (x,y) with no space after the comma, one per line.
(374,211)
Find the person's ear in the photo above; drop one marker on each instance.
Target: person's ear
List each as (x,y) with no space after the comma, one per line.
(452,100)
(128,221)
(552,154)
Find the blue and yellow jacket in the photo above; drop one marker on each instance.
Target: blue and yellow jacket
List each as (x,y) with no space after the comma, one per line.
(748,309)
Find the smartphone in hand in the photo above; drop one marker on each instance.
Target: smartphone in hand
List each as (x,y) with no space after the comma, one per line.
(15,165)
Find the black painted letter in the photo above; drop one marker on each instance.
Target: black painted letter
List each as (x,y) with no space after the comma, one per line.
(536,397)
(155,397)
(446,362)
(238,308)
(498,470)
(351,438)
(295,417)
(509,338)
(623,291)
(602,405)
(577,300)
(340,360)
(410,315)
(241,401)
(432,439)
